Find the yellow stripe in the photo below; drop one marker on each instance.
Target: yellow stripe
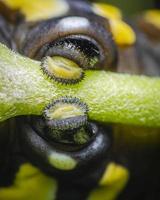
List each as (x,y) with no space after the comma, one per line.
(30,184)
(123,34)
(111,184)
(153,17)
(39,9)
(107,11)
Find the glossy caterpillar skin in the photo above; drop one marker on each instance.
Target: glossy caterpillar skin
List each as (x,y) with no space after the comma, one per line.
(23,172)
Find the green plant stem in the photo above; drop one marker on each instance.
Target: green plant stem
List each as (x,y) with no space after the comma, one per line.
(111,97)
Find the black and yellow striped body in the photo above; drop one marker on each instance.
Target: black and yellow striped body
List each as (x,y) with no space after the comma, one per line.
(128,163)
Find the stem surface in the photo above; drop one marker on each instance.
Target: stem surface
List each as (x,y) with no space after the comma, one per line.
(111,97)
